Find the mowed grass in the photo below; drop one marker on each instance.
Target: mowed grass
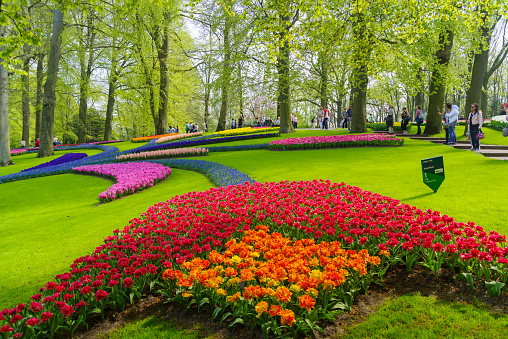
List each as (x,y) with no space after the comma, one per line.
(414,316)
(47,222)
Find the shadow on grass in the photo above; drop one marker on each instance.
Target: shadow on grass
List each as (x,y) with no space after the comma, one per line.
(419,196)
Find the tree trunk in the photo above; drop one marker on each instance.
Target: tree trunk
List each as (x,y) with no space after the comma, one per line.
(38,99)
(323,62)
(25,101)
(363,49)
(284,101)
(113,78)
(49,97)
(226,76)
(437,85)
(163,57)
(5,138)
(86,73)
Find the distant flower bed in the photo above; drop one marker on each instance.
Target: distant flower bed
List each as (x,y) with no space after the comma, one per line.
(105,142)
(336,141)
(247,130)
(166,153)
(68,157)
(18,151)
(130,177)
(151,137)
(203,141)
(178,136)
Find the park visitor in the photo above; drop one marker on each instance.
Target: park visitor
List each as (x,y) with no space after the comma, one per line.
(451,115)
(313,121)
(420,116)
(240,121)
(405,120)
(37,142)
(389,118)
(187,127)
(23,143)
(349,117)
(344,119)
(475,126)
(320,115)
(326,118)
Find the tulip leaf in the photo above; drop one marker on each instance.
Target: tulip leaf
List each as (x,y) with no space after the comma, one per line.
(216,313)
(225,316)
(467,277)
(236,321)
(494,287)
(313,316)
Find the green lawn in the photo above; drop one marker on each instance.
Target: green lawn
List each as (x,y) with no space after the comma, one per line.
(47,222)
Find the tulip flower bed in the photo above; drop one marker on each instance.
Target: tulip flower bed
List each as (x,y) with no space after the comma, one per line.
(178,137)
(297,276)
(152,137)
(130,177)
(269,281)
(199,142)
(166,153)
(247,130)
(68,157)
(18,151)
(336,141)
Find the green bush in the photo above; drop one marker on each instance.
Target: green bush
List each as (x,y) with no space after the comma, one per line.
(498,125)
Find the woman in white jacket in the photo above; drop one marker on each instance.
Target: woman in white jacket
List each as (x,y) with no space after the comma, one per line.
(452,118)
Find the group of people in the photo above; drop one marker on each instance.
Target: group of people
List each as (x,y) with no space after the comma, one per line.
(172,129)
(322,119)
(190,127)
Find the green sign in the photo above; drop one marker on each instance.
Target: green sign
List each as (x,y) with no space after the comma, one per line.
(433,172)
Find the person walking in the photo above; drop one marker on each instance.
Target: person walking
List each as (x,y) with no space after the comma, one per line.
(344,119)
(23,144)
(420,116)
(326,117)
(475,126)
(320,115)
(187,127)
(452,117)
(389,118)
(240,121)
(349,117)
(405,120)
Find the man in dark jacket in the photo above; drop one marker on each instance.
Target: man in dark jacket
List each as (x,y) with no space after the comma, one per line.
(349,117)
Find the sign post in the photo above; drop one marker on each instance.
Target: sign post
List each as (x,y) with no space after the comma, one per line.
(433,172)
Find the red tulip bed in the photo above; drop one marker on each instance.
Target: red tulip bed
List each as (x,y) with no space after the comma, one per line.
(282,256)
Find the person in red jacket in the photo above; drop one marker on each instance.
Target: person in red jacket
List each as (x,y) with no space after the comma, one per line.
(37,142)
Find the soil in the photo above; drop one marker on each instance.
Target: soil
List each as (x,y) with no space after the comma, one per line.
(397,282)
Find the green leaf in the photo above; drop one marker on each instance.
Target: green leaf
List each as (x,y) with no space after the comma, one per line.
(494,287)
(225,316)
(313,316)
(467,277)
(236,321)
(215,313)
(204,301)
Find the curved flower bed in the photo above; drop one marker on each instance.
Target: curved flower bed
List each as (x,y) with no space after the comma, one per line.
(151,137)
(166,153)
(18,151)
(178,137)
(336,141)
(131,177)
(202,141)
(323,227)
(247,130)
(68,157)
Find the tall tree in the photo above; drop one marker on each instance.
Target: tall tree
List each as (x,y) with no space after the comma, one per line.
(5,152)
(437,84)
(49,96)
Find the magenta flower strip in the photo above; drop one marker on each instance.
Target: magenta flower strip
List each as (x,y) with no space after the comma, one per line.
(130,177)
(166,153)
(336,141)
